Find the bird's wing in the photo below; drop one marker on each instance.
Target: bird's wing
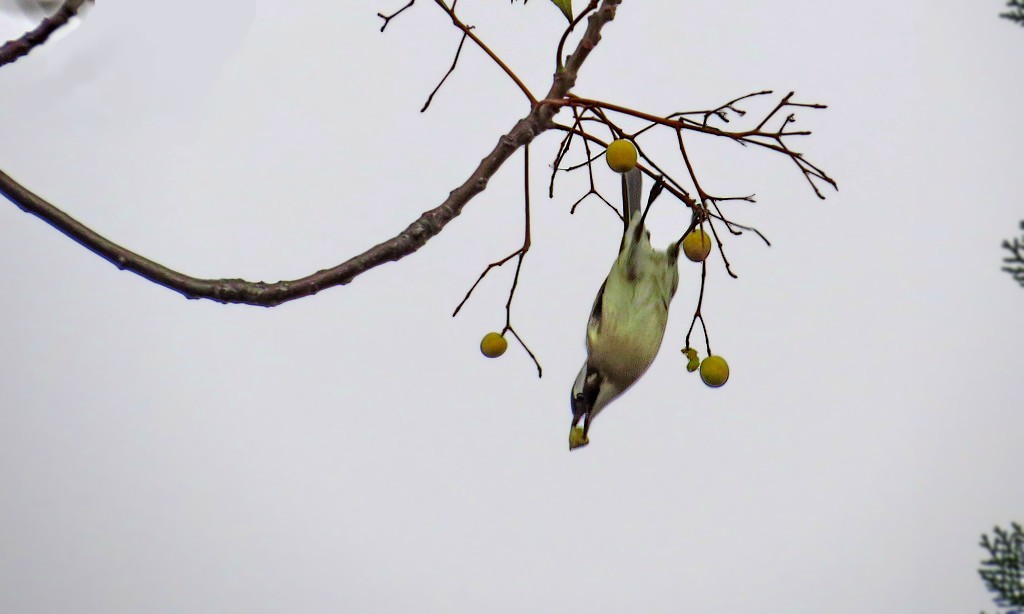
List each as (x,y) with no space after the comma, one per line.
(594,323)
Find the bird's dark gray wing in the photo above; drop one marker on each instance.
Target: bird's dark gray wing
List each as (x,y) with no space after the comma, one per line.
(595,312)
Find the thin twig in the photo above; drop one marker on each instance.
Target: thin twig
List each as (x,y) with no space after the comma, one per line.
(588,163)
(731,225)
(445,77)
(697,315)
(519,254)
(720,111)
(704,199)
(563,149)
(743,137)
(657,170)
(387,18)
(487,270)
(677,192)
(501,64)
(519,265)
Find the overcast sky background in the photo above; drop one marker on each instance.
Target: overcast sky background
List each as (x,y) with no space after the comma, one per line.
(354,452)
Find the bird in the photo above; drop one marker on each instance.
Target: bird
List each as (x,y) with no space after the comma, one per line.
(627,322)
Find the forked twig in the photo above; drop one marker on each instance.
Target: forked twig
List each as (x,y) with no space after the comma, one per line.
(387,18)
(519,254)
(697,315)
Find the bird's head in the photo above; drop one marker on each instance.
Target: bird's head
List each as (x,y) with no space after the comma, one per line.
(590,394)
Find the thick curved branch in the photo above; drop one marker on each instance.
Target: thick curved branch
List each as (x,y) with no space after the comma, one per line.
(263,294)
(565,77)
(20,47)
(405,243)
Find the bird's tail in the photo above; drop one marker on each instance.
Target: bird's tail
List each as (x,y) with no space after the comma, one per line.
(632,185)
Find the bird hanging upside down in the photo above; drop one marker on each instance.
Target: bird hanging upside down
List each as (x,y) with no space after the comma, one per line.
(627,322)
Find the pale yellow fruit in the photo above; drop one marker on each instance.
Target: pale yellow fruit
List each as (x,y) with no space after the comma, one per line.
(714,371)
(697,245)
(621,156)
(493,345)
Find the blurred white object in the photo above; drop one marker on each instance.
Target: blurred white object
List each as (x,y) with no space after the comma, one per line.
(30,9)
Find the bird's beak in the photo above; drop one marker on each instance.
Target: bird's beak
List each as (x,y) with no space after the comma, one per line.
(580,411)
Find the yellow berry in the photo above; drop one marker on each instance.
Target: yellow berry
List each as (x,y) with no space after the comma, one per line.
(714,371)
(621,156)
(697,245)
(576,438)
(493,345)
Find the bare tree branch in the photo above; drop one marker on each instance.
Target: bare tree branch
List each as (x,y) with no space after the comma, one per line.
(20,47)
(428,225)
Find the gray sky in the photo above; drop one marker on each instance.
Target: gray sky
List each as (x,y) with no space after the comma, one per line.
(353,452)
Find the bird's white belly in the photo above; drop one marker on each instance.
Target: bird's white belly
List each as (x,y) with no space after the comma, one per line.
(630,337)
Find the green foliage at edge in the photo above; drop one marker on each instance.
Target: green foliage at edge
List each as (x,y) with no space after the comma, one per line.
(1017,14)
(1003,572)
(565,6)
